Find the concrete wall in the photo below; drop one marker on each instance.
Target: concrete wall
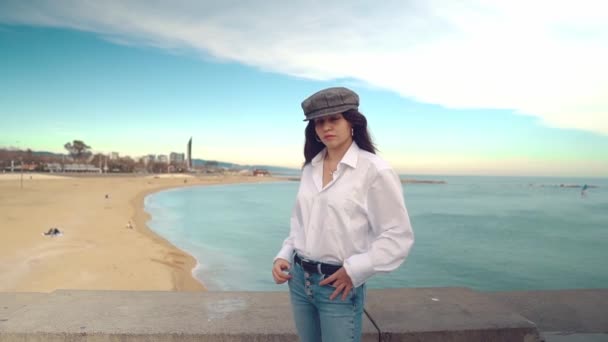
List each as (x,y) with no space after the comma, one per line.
(421,314)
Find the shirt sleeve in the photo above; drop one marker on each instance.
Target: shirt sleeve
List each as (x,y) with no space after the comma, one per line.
(390,224)
(286,251)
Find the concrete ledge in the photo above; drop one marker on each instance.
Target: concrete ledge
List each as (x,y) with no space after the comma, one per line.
(13,301)
(584,310)
(446,314)
(434,314)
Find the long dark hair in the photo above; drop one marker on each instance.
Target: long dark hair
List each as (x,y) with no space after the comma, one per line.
(360,135)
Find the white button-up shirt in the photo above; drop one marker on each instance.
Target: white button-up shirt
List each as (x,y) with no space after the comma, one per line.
(358,220)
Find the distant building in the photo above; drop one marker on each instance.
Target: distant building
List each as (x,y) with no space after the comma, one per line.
(176,158)
(113,156)
(162,158)
(21,167)
(189,154)
(81,168)
(53,167)
(150,158)
(261,172)
(211,166)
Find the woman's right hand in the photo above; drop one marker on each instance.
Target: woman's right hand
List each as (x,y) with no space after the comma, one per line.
(278,267)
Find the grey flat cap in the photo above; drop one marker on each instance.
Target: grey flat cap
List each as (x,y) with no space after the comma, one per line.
(329,101)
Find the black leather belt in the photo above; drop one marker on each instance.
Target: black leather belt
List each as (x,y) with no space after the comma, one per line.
(316,267)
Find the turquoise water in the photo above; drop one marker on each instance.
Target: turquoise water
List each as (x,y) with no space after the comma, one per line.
(486,233)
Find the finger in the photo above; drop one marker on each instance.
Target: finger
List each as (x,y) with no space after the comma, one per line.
(277,276)
(336,292)
(328,280)
(346,292)
(282,277)
(279,269)
(279,280)
(276,268)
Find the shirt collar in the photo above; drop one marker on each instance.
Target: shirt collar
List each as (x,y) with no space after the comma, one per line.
(350,158)
(319,157)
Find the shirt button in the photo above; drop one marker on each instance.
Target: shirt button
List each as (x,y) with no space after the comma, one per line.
(307,274)
(307,283)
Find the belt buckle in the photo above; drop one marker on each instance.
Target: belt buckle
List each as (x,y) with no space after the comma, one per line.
(319,268)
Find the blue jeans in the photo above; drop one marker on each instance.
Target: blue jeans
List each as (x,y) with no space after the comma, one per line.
(319,319)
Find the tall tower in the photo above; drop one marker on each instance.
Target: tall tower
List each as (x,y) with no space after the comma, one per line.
(189,153)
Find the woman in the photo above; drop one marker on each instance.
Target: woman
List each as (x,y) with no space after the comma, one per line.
(349,221)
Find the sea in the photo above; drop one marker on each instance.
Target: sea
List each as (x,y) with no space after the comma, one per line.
(484,233)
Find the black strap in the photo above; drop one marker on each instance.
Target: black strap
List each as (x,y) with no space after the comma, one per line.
(375,325)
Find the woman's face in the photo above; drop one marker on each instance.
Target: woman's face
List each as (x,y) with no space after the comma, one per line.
(334,131)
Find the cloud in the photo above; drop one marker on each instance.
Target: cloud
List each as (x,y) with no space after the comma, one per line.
(540,58)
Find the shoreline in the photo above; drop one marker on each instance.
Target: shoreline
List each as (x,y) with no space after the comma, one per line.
(182,278)
(96,250)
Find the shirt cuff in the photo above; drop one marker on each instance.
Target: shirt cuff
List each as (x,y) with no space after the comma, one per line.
(285,253)
(359,268)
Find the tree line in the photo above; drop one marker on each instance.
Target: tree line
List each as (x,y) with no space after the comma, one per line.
(80,153)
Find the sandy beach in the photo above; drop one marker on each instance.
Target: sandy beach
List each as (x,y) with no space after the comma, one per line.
(96,250)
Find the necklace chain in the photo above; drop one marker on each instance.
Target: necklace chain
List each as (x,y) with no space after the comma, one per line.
(330,171)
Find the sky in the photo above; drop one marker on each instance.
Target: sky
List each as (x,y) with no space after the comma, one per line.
(516,88)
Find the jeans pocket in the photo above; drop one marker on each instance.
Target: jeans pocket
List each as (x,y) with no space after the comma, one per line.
(328,290)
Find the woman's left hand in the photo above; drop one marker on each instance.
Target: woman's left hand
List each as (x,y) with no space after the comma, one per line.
(341,281)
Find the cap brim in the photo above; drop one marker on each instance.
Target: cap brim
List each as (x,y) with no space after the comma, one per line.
(330,111)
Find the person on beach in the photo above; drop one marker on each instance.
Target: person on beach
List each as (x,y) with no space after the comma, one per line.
(348,223)
(52,232)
